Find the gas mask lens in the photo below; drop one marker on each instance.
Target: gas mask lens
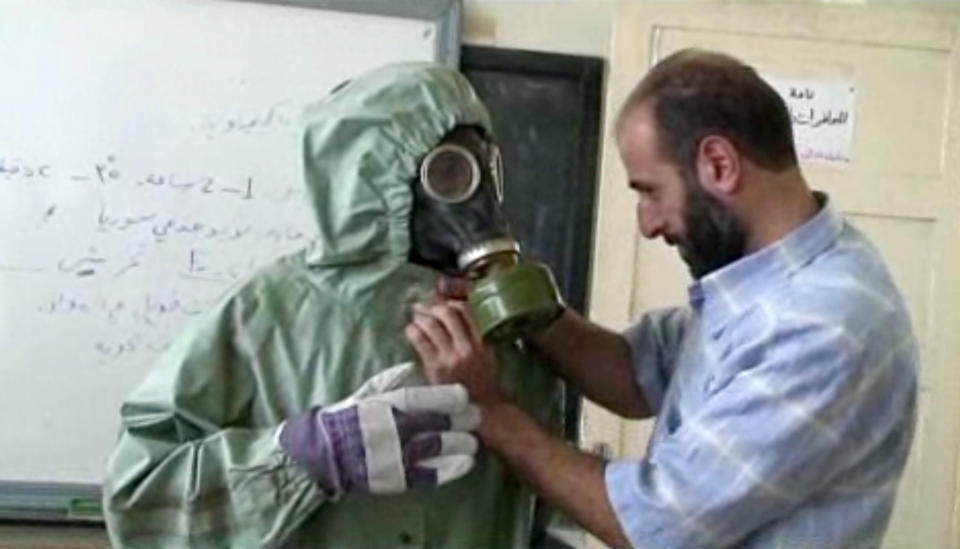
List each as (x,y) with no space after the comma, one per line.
(450,173)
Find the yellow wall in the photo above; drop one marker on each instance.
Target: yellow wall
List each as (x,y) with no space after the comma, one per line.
(579,27)
(583,27)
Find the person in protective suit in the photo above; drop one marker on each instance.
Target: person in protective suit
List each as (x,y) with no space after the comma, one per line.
(281,418)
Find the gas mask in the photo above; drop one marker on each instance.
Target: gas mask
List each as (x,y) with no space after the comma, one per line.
(459,228)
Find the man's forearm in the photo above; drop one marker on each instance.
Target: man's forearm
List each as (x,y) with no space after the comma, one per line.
(594,360)
(571,480)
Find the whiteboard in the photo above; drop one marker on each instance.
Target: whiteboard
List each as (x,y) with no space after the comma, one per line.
(150,158)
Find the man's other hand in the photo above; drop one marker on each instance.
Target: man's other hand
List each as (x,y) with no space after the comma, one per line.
(452,350)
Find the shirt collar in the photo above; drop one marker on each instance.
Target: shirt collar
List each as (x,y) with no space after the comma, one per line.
(724,293)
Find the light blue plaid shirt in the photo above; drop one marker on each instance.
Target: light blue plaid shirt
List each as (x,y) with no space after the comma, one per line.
(785,397)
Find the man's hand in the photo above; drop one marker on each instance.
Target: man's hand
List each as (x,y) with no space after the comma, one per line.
(452,350)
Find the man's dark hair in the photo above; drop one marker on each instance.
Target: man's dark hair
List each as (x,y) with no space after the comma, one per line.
(694,93)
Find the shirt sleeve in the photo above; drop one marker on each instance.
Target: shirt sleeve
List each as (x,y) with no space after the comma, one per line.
(809,402)
(654,345)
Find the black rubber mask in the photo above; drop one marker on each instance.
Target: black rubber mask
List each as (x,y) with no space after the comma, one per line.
(458,228)
(456,204)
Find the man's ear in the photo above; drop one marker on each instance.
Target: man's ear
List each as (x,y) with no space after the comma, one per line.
(719,166)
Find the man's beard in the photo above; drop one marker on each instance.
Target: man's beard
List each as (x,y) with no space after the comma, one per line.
(715,236)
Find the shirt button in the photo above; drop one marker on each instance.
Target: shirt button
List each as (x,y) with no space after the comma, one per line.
(672,419)
(406,538)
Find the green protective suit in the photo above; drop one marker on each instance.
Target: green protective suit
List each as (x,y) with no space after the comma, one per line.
(197,464)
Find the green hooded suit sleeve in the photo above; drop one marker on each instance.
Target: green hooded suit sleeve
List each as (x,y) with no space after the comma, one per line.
(189,469)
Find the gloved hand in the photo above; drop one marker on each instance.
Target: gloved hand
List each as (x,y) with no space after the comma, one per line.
(385,440)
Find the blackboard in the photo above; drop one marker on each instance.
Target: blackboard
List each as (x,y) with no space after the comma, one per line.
(546,114)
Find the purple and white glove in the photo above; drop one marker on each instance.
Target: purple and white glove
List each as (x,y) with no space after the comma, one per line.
(385,443)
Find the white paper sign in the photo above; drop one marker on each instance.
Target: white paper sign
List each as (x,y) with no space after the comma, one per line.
(823,117)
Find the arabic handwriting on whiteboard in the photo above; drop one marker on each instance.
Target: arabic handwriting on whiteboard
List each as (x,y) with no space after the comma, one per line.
(97,232)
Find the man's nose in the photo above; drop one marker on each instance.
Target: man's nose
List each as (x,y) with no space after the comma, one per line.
(650,221)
